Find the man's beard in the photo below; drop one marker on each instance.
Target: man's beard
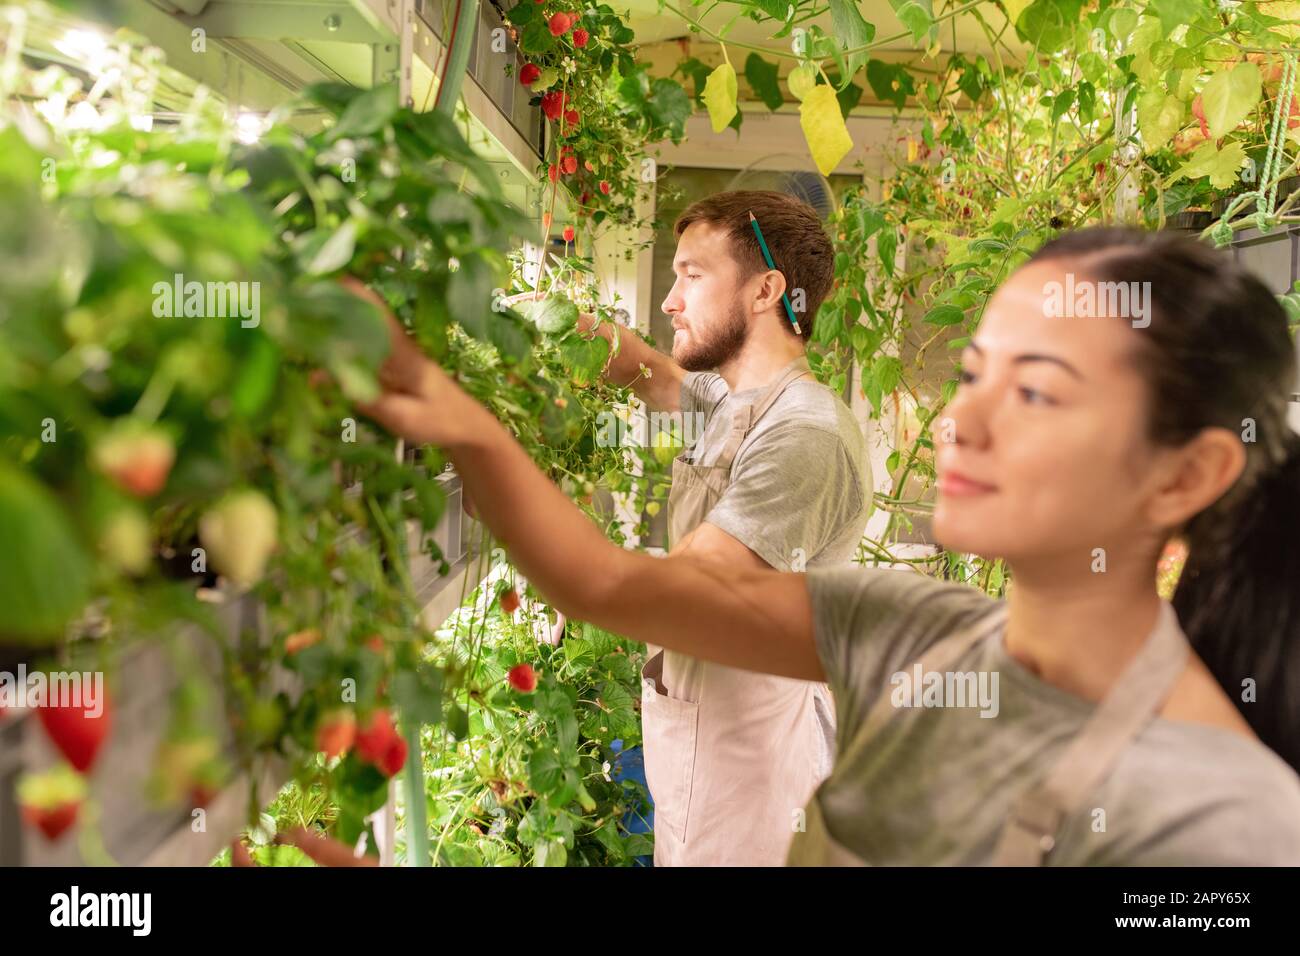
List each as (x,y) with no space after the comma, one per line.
(722,342)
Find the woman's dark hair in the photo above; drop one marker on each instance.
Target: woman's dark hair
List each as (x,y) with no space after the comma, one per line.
(1218,352)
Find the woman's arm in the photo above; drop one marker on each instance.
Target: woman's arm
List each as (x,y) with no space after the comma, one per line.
(754,619)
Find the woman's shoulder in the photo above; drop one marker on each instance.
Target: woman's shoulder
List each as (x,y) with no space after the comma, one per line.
(1198,794)
(872,621)
(852,594)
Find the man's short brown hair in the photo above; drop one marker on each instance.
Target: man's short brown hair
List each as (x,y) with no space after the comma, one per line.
(799,245)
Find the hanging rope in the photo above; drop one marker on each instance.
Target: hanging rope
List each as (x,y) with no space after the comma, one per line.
(1266,203)
(1266,195)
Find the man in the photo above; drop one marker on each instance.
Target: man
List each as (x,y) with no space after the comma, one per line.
(778,477)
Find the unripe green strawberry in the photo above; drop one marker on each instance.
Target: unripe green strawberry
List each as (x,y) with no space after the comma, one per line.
(239,533)
(125,541)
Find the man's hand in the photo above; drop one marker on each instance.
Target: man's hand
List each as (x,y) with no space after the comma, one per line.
(654,377)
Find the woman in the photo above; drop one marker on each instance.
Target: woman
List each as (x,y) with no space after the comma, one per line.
(1075,448)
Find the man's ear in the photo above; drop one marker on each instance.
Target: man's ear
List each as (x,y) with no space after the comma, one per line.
(770,289)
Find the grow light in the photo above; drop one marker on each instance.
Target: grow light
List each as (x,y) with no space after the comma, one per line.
(86,47)
(249,128)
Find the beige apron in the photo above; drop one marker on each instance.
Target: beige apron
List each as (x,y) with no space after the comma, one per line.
(731,756)
(1030,831)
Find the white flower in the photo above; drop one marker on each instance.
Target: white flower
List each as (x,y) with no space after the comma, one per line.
(604,769)
(570,66)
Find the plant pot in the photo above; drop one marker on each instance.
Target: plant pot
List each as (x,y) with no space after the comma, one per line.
(1191,220)
(1284,189)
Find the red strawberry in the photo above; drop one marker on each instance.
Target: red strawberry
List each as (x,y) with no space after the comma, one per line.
(587,164)
(553,172)
(509,600)
(553,104)
(52,821)
(568,233)
(580,38)
(76,733)
(569,164)
(604,187)
(394,758)
(529,73)
(380,745)
(523,678)
(571,117)
(336,733)
(201,794)
(559,24)
(137,458)
(301,640)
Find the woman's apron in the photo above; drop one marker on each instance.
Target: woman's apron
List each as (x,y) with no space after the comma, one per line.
(1031,829)
(731,756)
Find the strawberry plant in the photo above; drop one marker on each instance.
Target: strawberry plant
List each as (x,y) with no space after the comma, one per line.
(166,434)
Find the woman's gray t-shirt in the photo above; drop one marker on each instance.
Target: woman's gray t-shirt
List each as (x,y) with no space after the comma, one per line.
(935,785)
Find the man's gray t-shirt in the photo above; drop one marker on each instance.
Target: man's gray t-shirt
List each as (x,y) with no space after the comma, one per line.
(800,490)
(935,785)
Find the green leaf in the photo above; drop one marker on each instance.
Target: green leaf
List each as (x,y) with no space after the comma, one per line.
(823,127)
(696,71)
(554,315)
(1173,13)
(44,570)
(1159,117)
(848,97)
(890,82)
(669,107)
(1049,24)
(887,371)
(944,315)
(536,38)
(1061,104)
(916,15)
(762,79)
(1229,97)
(321,251)
(545,771)
(1223,166)
(853,31)
(469,297)
(368,113)
(586,360)
(720,96)
(1014,9)
(255,383)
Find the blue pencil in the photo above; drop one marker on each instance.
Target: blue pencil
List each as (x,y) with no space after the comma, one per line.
(767,257)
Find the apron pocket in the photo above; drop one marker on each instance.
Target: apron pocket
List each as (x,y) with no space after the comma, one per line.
(668,728)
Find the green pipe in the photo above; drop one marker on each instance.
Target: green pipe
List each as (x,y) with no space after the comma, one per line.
(417,827)
(462,39)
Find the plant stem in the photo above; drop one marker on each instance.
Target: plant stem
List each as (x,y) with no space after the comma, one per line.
(462,40)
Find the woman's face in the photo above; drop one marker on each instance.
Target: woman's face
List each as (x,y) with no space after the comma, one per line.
(1043,453)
